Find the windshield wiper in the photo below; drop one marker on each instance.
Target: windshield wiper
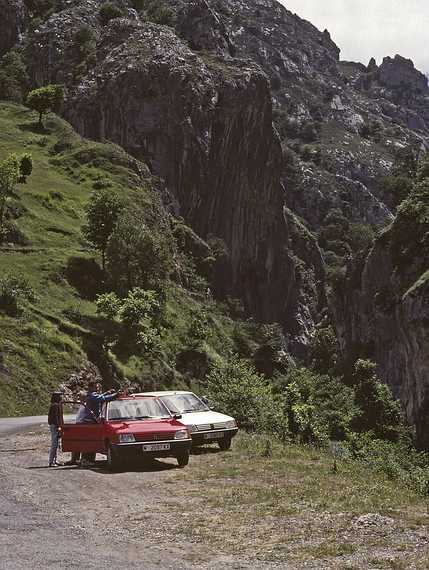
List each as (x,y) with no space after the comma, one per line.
(120,419)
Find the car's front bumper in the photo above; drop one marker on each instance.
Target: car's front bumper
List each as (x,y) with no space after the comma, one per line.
(212,435)
(136,449)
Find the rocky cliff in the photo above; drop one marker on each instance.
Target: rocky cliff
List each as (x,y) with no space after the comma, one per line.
(12,26)
(382,308)
(202,120)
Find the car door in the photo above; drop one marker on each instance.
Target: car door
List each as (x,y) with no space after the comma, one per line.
(85,437)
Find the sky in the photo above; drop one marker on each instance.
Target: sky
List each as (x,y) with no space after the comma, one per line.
(371,28)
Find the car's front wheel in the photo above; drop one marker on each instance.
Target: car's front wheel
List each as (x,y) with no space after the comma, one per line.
(112,458)
(183,459)
(225,443)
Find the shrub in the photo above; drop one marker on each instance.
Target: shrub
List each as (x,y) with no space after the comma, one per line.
(379,412)
(324,350)
(399,461)
(156,11)
(14,291)
(9,176)
(109,11)
(237,389)
(319,407)
(85,275)
(25,167)
(13,76)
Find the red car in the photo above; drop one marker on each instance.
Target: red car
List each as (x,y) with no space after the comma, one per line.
(131,427)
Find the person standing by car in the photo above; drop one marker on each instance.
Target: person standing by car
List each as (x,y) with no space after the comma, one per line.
(54,421)
(80,416)
(93,404)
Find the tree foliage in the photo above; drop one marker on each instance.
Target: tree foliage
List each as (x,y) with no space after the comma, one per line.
(45,99)
(236,388)
(9,177)
(102,215)
(137,256)
(379,412)
(13,76)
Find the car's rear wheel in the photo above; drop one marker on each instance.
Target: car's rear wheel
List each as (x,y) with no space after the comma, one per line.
(112,458)
(225,443)
(183,459)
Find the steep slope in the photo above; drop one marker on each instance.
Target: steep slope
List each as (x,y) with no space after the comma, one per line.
(55,330)
(204,124)
(382,307)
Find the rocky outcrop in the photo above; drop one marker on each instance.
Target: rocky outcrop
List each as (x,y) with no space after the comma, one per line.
(399,72)
(382,312)
(11,23)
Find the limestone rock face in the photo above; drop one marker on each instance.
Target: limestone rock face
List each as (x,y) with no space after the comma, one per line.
(400,72)
(11,23)
(203,123)
(384,314)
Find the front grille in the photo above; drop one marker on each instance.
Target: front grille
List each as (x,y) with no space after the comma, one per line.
(204,427)
(220,425)
(165,435)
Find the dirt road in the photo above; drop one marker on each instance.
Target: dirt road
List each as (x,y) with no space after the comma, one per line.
(233,510)
(68,517)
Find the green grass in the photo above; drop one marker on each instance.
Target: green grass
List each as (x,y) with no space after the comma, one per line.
(50,339)
(292,506)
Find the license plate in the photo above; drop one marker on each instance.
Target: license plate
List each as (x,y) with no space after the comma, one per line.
(156,447)
(213,435)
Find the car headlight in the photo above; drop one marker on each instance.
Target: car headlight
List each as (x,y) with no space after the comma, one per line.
(231,424)
(192,428)
(181,434)
(126,438)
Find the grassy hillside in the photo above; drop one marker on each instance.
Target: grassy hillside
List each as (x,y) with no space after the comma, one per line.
(59,330)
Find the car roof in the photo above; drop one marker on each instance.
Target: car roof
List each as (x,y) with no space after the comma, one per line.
(165,393)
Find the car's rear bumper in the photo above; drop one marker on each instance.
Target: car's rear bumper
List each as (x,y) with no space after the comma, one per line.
(138,448)
(212,436)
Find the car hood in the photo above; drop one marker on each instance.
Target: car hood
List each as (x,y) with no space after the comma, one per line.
(145,426)
(210,417)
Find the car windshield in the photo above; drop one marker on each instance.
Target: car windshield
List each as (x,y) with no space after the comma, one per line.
(182,403)
(138,409)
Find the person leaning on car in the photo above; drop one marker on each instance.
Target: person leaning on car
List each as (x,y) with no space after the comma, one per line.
(94,401)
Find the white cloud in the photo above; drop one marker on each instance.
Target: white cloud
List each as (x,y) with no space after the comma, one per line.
(371,28)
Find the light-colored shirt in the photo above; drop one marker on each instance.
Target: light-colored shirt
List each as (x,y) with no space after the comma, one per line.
(81,413)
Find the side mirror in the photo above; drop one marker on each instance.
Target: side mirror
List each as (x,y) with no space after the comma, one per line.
(206,402)
(177,416)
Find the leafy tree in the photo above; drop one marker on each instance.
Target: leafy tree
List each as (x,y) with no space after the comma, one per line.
(102,215)
(319,407)
(136,256)
(45,99)
(25,167)
(271,354)
(379,411)
(236,388)
(108,304)
(13,76)
(324,350)
(9,177)
(139,314)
